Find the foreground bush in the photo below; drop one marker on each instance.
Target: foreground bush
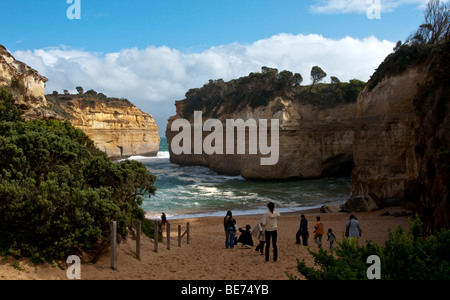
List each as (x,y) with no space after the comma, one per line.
(404,256)
(58,193)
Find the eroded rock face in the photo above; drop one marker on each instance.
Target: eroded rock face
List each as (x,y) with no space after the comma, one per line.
(26,85)
(386,127)
(402,140)
(312,142)
(117,127)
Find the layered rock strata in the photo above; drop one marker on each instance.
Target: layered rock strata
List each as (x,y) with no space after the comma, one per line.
(26,85)
(312,142)
(386,127)
(117,127)
(402,140)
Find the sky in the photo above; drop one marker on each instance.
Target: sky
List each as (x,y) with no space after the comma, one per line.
(152,52)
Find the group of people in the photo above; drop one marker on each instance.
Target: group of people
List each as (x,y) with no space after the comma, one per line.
(265,231)
(352,231)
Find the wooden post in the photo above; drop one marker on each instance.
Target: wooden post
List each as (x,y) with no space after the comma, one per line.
(179,235)
(113,248)
(138,240)
(156,235)
(188,229)
(168,235)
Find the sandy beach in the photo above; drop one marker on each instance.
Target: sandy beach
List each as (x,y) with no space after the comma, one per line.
(206,257)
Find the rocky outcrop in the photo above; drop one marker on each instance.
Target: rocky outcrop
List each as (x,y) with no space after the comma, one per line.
(312,142)
(117,127)
(26,85)
(402,140)
(386,127)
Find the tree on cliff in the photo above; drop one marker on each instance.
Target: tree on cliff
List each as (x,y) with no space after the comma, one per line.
(298,79)
(436,27)
(317,74)
(80,90)
(335,80)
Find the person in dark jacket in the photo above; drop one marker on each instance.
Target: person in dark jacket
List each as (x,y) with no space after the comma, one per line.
(228,224)
(245,238)
(302,231)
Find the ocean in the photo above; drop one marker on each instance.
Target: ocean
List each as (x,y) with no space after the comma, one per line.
(196,191)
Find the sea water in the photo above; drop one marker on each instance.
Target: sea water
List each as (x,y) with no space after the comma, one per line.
(194,191)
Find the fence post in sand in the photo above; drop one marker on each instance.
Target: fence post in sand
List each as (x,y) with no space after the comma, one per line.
(138,240)
(179,235)
(188,233)
(113,248)
(155,235)
(168,235)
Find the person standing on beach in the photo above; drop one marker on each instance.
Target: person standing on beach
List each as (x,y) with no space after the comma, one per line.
(258,233)
(163,220)
(269,221)
(353,231)
(302,231)
(228,224)
(318,232)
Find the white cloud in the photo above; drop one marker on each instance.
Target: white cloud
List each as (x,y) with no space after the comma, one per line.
(154,77)
(360,6)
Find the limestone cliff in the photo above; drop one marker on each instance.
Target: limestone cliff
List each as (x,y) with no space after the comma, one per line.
(315,139)
(26,85)
(402,140)
(116,126)
(385,136)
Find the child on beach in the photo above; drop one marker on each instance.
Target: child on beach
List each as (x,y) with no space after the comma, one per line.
(331,237)
(258,233)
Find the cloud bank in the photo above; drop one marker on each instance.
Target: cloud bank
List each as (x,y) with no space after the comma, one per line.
(154,77)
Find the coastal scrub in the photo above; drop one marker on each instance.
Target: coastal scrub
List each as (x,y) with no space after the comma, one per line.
(58,193)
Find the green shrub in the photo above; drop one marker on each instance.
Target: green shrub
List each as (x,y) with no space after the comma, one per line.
(58,193)
(258,89)
(404,256)
(8,111)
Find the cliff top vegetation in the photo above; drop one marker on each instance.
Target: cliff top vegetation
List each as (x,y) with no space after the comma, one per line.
(62,103)
(258,89)
(421,46)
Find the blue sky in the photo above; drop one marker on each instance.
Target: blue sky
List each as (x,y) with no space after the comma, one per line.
(112,25)
(152,52)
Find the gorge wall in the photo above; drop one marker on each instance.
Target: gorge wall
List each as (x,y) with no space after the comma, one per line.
(402,138)
(314,140)
(386,125)
(116,126)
